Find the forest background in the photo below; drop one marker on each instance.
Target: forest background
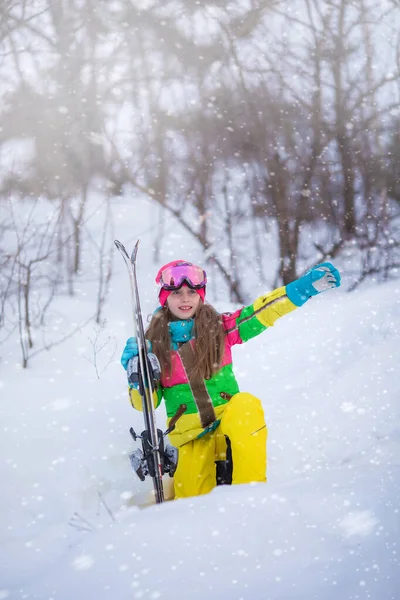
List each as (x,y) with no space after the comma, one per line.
(269,130)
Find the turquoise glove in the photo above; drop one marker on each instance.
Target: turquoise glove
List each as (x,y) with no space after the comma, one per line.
(318,279)
(131,349)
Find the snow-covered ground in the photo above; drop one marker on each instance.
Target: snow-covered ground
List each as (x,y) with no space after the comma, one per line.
(325,526)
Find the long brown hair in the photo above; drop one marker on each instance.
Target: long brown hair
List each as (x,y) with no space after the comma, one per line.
(209,333)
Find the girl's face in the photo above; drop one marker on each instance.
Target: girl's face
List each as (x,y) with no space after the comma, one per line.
(184,302)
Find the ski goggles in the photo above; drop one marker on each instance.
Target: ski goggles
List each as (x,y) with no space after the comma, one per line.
(172,278)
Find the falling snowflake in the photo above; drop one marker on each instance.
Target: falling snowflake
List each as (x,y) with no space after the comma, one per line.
(83,562)
(358,523)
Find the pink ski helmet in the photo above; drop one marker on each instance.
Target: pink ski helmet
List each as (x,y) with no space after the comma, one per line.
(177,273)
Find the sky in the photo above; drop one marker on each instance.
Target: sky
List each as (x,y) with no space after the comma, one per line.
(75,520)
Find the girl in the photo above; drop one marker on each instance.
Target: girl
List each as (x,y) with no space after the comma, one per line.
(193,344)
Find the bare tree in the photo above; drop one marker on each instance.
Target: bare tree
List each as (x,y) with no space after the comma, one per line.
(101,345)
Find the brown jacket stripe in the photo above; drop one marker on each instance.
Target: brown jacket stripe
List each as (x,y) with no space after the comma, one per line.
(200,393)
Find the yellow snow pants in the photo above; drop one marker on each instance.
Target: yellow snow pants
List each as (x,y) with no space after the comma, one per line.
(243,422)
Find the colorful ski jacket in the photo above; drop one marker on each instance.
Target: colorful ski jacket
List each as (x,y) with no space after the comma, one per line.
(206,401)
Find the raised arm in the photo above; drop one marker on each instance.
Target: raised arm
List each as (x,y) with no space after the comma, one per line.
(252,320)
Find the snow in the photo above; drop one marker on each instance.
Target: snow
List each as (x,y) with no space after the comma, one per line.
(75,521)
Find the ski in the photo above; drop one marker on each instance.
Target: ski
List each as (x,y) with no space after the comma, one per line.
(155,458)
(146,384)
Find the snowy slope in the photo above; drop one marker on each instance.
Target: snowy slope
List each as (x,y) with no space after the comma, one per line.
(326,525)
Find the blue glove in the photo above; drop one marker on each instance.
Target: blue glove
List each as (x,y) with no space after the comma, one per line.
(131,349)
(318,279)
